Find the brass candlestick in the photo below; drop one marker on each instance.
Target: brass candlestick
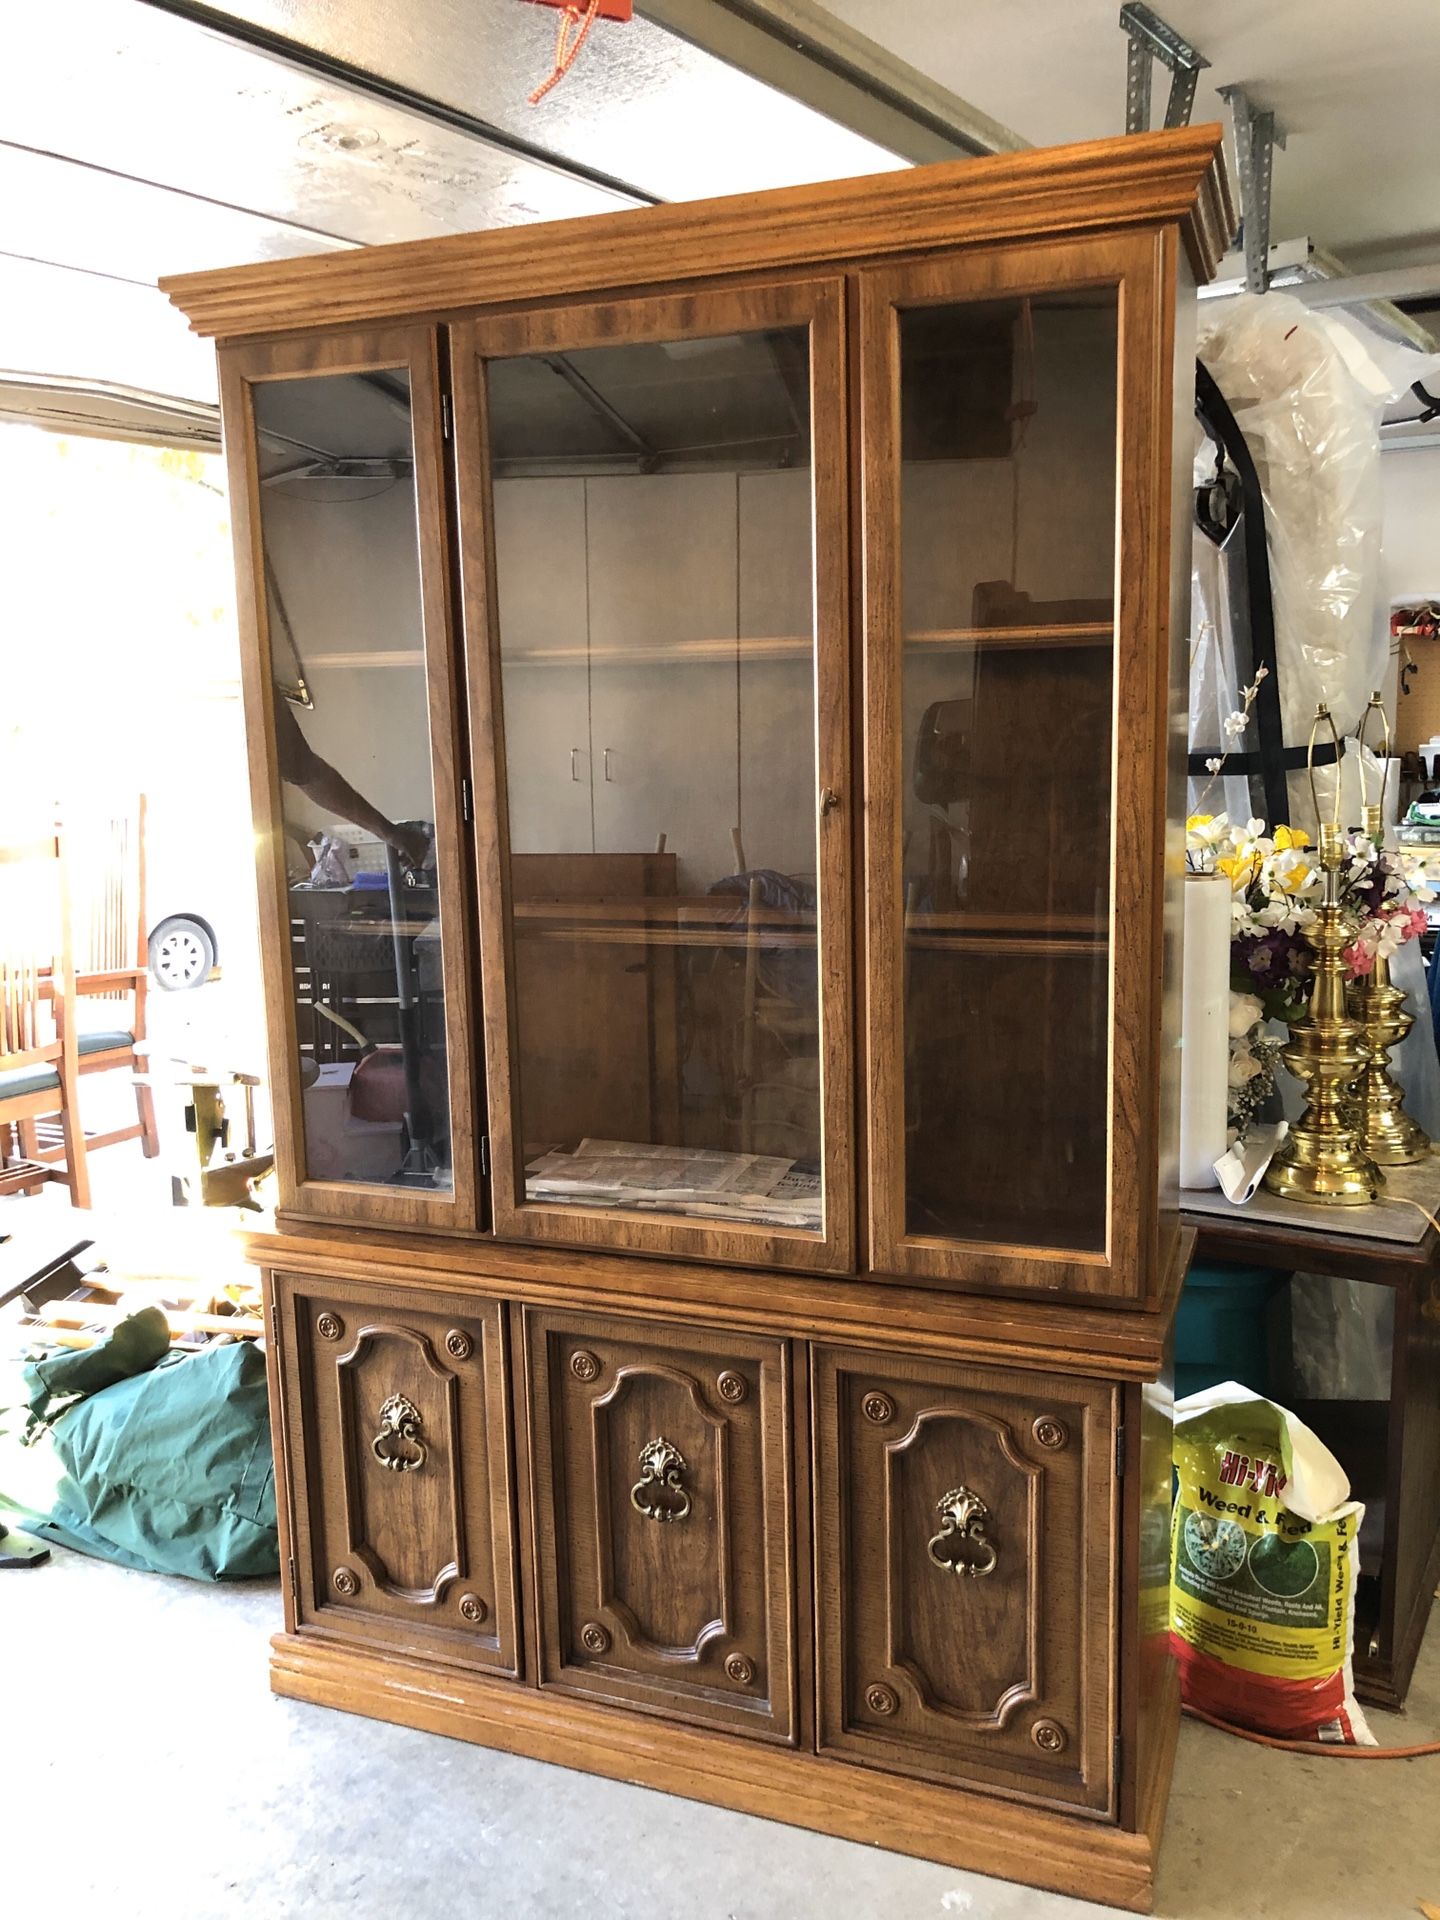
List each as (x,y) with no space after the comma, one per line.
(1322,1158)
(1387,1132)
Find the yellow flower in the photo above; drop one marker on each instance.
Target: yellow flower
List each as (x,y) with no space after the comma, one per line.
(1240,868)
(1198,820)
(1288,838)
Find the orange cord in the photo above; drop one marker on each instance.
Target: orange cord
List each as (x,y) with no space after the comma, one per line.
(566,49)
(1312,1746)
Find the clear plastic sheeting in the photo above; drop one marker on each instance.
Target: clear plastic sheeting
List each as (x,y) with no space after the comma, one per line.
(1313,428)
(1342,1332)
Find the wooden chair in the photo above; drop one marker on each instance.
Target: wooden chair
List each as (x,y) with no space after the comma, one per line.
(38,1057)
(105,868)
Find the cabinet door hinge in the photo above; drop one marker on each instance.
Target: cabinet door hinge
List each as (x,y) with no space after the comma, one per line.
(447,426)
(1117,1755)
(1120,1453)
(294,1581)
(485,1155)
(465,798)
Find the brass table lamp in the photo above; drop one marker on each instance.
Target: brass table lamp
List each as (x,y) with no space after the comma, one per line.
(1387,1132)
(1322,1157)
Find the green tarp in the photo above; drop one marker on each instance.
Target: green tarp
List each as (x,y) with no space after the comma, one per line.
(153,1459)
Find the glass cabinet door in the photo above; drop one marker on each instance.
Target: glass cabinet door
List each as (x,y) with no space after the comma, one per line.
(1010,822)
(654,550)
(337,486)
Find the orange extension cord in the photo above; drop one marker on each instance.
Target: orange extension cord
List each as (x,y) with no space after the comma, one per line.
(1313,1746)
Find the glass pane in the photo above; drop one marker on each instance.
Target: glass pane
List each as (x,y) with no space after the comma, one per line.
(1007,565)
(653,537)
(352,732)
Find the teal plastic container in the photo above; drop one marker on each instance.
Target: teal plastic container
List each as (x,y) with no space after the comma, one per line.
(1221,1327)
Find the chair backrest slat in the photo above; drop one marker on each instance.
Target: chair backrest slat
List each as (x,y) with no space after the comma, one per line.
(106,874)
(33,945)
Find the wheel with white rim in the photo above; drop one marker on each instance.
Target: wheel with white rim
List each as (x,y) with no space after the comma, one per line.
(182,953)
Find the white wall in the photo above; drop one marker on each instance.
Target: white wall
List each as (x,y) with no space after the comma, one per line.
(1410,481)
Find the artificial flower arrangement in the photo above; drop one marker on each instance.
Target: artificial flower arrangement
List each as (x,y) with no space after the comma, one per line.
(1277,885)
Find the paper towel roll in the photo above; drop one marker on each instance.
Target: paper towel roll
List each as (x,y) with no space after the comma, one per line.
(1205,1028)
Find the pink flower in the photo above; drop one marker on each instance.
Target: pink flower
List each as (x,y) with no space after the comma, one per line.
(1416,923)
(1359,958)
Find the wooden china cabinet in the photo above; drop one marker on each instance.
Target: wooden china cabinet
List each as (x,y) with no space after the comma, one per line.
(725,1063)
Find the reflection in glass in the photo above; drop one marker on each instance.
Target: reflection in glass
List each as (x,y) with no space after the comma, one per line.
(1007,562)
(342,582)
(652,518)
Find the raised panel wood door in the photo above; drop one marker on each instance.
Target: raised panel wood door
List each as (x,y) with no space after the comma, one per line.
(963,1528)
(395,1426)
(661,1463)
(1020,690)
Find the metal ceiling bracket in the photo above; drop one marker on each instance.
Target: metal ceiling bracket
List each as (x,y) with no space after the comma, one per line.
(1256,138)
(1152,39)
(648,456)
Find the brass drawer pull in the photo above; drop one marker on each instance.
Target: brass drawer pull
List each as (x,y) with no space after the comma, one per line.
(960,1546)
(660,1492)
(398,1444)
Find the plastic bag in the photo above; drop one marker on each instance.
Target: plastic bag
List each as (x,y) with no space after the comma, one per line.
(329,869)
(1264,1560)
(1296,385)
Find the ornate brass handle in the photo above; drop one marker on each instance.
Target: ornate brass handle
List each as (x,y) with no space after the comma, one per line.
(398,1444)
(960,1546)
(660,1492)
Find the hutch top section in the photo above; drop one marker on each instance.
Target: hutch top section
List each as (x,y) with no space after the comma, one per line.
(745,641)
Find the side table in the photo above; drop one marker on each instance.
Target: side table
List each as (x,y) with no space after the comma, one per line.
(1389,1244)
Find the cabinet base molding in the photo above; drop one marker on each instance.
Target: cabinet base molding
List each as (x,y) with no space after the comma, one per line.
(1087,1859)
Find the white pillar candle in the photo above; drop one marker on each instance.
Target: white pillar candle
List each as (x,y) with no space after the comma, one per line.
(1205,1028)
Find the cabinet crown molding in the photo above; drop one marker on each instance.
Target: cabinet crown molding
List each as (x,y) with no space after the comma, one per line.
(1134,181)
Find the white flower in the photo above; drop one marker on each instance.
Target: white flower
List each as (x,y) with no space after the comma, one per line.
(1416,876)
(1245,1012)
(1205,830)
(1243,1067)
(1213,765)
(1292,870)
(1389,938)
(1234,724)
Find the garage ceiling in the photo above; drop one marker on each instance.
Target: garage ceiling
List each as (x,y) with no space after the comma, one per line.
(1352,84)
(140,137)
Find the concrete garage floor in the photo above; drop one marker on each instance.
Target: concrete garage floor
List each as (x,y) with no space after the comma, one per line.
(147,1771)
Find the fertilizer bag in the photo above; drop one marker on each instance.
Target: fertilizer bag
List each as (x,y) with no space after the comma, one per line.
(1264,1557)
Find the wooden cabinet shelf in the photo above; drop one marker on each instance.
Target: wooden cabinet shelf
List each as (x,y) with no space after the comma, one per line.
(1075,634)
(761,835)
(651,923)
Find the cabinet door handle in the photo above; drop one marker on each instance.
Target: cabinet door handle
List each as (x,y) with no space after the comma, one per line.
(398,1444)
(660,1492)
(829,799)
(960,1546)
(608,774)
(574,763)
